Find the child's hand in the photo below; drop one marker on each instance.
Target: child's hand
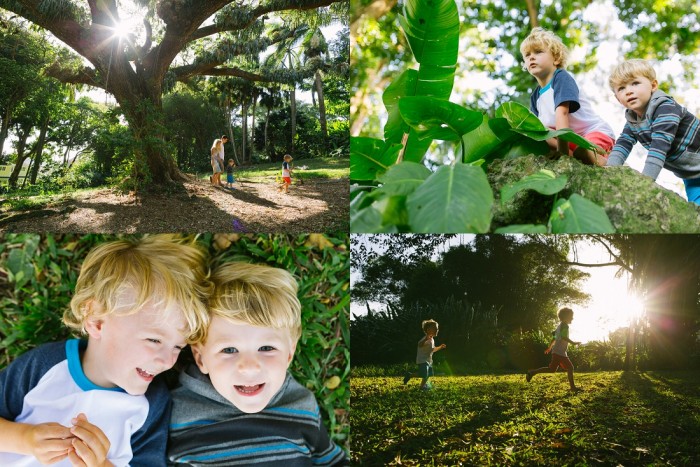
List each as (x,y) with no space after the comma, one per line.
(442,346)
(549,349)
(90,444)
(49,442)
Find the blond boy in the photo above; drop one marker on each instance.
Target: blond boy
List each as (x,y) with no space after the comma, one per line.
(96,401)
(665,128)
(424,354)
(239,405)
(557,100)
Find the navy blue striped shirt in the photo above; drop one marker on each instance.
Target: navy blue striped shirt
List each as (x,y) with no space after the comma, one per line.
(668,131)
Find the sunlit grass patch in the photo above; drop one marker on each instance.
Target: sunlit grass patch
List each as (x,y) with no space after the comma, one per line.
(625,418)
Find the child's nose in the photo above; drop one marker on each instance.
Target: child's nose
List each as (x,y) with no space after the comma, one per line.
(248,363)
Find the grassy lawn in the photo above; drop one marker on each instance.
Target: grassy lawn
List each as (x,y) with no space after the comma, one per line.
(306,169)
(645,418)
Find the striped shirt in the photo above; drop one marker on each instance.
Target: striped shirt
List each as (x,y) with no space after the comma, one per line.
(206,429)
(668,131)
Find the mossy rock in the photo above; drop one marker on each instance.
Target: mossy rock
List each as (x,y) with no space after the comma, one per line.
(634,203)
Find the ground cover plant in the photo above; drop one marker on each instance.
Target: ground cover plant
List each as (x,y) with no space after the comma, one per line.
(620,418)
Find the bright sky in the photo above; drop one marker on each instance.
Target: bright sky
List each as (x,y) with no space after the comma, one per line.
(610,307)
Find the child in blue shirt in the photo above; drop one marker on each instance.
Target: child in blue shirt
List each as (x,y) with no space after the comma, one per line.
(557,100)
(98,401)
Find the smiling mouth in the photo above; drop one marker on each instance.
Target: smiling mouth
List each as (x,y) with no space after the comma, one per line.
(250,390)
(145,375)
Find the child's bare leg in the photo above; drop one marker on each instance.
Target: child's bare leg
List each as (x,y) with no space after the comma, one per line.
(570,374)
(544,369)
(424,383)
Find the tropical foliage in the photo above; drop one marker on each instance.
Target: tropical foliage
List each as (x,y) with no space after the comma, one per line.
(393,192)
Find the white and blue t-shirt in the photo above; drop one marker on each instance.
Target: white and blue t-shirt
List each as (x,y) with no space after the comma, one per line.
(562,88)
(47,384)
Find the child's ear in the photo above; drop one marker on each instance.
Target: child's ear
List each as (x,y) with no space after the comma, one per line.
(197,354)
(94,321)
(654,86)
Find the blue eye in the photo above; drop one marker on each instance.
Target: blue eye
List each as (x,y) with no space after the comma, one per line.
(229,350)
(266,348)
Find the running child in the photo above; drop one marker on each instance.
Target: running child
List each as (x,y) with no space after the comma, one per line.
(424,354)
(558,347)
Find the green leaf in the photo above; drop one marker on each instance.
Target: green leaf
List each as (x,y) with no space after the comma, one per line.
(432,30)
(456,198)
(522,228)
(579,215)
(479,143)
(369,220)
(437,118)
(403,179)
(545,182)
(520,118)
(370,157)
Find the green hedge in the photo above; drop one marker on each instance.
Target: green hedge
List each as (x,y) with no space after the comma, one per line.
(38,275)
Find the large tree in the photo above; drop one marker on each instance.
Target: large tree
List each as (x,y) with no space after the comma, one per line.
(136,73)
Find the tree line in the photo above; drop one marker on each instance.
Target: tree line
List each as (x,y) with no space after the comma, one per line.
(496,297)
(179,81)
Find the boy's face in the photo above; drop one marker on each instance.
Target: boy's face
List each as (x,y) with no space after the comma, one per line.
(635,94)
(246,364)
(127,351)
(540,63)
(431,332)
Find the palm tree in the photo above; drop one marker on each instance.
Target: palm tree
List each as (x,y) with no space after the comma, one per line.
(315,46)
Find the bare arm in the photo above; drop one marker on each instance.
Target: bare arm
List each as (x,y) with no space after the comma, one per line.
(562,121)
(47,442)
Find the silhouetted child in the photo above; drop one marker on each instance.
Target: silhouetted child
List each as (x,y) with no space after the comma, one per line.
(424,355)
(558,347)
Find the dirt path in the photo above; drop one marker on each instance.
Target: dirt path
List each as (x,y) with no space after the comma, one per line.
(318,205)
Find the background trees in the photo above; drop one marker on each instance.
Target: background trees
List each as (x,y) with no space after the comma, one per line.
(496,297)
(137,51)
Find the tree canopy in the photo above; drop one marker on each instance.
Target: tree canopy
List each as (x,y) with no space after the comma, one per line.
(138,50)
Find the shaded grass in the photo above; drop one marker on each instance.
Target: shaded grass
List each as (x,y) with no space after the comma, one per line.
(620,418)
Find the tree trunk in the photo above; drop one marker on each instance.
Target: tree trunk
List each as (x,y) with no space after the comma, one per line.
(293,110)
(142,108)
(244,125)
(532,13)
(38,152)
(4,129)
(321,109)
(21,146)
(252,130)
(267,122)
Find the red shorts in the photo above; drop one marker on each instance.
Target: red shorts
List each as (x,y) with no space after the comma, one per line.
(601,139)
(287,180)
(560,361)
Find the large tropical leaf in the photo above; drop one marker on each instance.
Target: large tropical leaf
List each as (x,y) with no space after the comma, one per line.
(370,157)
(432,30)
(437,118)
(579,215)
(545,182)
(526,123)
(457,198)
(403,179)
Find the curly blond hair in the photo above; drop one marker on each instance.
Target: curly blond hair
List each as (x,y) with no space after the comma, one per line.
(162,269)
(541,39)
(630,69)
(257,295)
